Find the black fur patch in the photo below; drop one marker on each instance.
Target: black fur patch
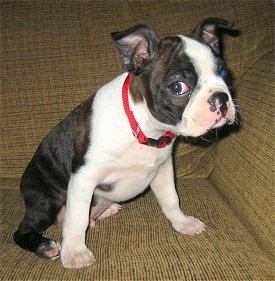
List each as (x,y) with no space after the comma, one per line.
(105,187)
(45,181)
(82,131)
(172,65)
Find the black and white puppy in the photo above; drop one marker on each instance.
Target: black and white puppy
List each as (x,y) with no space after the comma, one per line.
(119,141)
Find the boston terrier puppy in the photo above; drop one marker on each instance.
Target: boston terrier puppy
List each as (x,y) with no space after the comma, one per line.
(119,141)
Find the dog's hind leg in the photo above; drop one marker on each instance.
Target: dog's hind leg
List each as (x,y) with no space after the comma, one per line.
(112,210)
(102,208)
(38,217)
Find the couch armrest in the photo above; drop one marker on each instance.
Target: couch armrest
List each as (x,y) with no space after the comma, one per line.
(244,171)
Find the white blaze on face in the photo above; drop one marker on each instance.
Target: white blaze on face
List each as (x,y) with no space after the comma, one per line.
(201,56)
(197,118)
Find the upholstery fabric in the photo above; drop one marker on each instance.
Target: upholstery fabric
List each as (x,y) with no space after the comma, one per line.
(55,53)
(140,244)
(249,183)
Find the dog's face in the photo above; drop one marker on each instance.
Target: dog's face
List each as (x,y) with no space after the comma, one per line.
(182,79)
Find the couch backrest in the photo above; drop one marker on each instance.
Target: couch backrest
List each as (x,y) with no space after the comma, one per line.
(244,170)
(54,54)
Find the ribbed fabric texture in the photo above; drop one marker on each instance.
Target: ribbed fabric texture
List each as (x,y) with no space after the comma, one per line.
(244,170)
(140,244)
(55,54)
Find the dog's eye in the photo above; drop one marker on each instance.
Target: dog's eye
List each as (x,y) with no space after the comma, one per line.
(223,72)
(179,88)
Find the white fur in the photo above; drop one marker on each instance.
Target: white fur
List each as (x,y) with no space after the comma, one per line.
(197,119)
(116,157)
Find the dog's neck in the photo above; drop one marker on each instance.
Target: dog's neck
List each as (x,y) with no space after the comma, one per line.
(161,142)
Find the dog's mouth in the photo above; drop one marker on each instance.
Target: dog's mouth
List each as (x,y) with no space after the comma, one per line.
(197,127)
(208,114)
(221,122)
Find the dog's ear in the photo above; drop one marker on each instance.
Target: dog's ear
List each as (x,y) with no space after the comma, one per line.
(210,31)
(138,46)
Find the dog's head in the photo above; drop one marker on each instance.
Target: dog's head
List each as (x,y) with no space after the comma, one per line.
(182,79)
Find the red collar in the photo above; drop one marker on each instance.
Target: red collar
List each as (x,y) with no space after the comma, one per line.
(161,142)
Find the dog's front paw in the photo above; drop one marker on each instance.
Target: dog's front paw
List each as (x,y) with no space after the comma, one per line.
(77,259)
(188,225)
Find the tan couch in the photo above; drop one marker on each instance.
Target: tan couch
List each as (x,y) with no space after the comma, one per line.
(54,54)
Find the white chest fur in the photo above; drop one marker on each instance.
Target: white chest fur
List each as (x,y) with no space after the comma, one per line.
(131,172)
(115,156)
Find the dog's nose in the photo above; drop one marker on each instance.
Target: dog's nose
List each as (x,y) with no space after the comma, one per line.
(219,103)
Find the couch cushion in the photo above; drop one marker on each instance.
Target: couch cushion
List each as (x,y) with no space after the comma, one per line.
(180,17)
(244,171)
(54,54)
(139,243)
(45,73)
(53,58)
